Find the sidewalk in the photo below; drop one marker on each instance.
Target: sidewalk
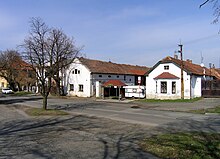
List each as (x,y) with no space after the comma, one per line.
(181,106)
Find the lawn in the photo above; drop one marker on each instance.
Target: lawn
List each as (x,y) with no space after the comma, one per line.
(195,145)
(21,93)
(169,100)
(42,112)
(208,110)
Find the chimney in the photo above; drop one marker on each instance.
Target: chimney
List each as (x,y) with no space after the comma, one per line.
(188,60)
(175,56)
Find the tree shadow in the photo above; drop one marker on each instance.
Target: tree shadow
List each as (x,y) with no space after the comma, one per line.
(8,101)
(45,137)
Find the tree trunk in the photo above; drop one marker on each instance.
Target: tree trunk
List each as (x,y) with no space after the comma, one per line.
(45,102)
(12,86)
(57,87)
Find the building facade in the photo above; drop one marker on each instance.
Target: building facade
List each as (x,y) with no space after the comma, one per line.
(163,81)
(86,77)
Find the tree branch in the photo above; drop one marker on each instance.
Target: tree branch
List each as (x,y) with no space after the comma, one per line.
(201,5)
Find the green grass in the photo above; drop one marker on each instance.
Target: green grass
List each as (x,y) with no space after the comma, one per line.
(184,145)
(169,100)
(208,110)
(42,112)
(21,93)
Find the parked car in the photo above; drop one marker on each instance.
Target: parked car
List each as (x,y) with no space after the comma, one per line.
(7,91)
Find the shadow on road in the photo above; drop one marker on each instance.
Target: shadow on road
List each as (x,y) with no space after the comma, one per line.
(68,137)
(18,100)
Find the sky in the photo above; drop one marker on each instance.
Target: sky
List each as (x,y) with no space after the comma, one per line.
(138,32)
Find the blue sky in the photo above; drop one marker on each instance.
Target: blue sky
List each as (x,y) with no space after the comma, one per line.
(124,31)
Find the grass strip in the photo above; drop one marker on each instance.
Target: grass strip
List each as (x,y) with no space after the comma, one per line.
(208,110)
(21,93)
(184,145)
(42,112)
(169,100)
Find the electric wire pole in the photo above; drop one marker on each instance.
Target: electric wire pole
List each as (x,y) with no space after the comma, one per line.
(182,67)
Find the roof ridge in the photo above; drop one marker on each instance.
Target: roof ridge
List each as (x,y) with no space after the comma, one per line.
(113,62)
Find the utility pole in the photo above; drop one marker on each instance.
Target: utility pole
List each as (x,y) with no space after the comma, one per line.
(182,80)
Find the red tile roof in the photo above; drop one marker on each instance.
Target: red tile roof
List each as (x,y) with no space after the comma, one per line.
(166,75)
(117,83)
(188,66)
(96,66)
(216,72)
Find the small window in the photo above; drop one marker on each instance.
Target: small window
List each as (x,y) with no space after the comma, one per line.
(117,76)
(76,71)
(166,67)
(80,88)
(71,87)
(109,76)
(124,78)
(100,75)
(173,87)
(3,84)
(163,87)
(73,72)
(130,80)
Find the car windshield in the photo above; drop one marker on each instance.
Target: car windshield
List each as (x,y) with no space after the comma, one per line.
(6,89)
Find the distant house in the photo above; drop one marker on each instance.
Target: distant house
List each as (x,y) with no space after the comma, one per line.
(3,83)
(19,75)
(88,78)
(163,81)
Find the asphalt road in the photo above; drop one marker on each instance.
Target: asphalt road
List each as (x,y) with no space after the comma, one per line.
(115,111)
(91,136)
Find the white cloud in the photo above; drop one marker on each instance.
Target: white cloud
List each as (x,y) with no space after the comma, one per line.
(133,12)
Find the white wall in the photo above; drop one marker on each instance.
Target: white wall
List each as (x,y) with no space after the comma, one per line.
(78,79)
(88,80)
(151,91)
(127,79)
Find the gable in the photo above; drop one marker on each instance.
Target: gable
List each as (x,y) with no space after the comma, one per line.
(166,75)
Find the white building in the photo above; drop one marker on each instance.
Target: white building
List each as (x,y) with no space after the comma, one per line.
(86,77)
(163,81)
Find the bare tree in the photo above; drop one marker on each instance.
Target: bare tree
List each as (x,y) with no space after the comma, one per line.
(63,51)
(49,51)
(216,8)
(36,46)
(13,69)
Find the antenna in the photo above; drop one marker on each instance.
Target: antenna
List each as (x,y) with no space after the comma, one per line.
(202,58)
(219,63)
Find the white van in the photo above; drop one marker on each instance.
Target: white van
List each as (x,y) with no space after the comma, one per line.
(135,91)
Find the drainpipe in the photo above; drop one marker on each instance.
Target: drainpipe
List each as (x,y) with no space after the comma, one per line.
(190,86)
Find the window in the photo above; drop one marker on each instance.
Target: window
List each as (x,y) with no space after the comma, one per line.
(173,87)
(109,76)
(163,87)
(3,84)
(76,71)
(80,88)
(124,78)
(100,75)
(117,76)
(166,67)
(71,87)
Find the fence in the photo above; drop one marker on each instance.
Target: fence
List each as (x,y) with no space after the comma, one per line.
(211,88)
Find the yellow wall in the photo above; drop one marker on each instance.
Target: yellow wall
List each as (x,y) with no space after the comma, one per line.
(3,83)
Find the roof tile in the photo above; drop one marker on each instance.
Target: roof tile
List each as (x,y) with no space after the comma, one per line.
(96,66)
